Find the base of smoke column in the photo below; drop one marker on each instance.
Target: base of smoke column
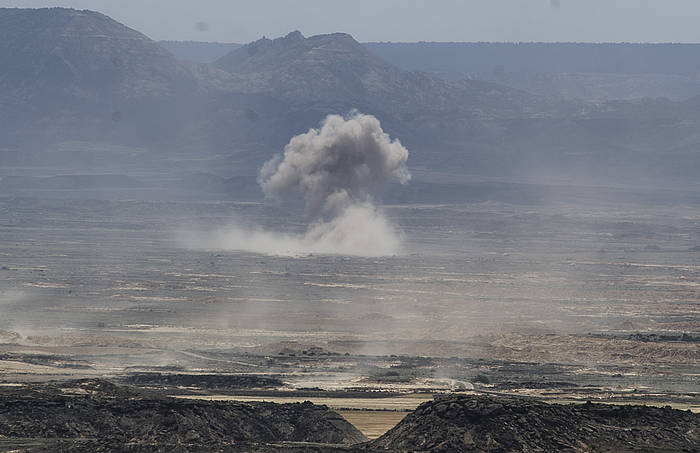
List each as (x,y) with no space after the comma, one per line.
(360,230)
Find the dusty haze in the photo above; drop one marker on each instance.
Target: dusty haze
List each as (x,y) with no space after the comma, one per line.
(338,168)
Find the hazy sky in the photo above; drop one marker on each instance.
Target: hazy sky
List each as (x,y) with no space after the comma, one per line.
(403,20)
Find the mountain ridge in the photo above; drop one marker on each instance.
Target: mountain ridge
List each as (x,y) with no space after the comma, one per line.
(336,68)
(81,76)
(79,46)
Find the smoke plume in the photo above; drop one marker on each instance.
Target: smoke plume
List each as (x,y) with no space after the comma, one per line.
(338,168)
(339,165)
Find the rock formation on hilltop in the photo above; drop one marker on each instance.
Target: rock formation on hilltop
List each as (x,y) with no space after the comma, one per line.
(336,70)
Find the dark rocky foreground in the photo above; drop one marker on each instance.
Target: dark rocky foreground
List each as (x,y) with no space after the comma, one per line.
(497,424)
(97,416)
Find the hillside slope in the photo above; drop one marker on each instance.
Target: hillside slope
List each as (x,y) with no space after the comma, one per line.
(336,70)
(497,424)
(79,76)
(79,73)
(106,412)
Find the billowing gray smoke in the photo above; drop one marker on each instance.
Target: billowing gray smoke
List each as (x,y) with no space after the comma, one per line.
(339,165)
(338,168)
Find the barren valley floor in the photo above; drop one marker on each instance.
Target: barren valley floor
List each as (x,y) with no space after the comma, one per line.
(561,300)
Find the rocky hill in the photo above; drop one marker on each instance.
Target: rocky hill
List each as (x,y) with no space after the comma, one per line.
(337,71)
(104,412)
(466,126)
(498,424)
(553,70)
(79,73)
(79,76)
(95,415)
(84,54)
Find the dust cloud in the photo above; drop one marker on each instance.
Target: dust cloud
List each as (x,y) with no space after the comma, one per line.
(341,164)
(338,168)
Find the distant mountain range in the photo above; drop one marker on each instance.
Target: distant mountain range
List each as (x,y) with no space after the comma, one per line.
(557,70)
(482,58)
(336,72)
(563,70)
(498,58)
(80,83)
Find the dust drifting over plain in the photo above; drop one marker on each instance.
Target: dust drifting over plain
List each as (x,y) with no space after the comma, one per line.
(338,168)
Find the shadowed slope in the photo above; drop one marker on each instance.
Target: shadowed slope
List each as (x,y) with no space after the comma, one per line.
(497,424)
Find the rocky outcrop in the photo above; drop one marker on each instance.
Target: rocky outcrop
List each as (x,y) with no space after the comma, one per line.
(334,70)
(112,414)
(96,415)
(498,424)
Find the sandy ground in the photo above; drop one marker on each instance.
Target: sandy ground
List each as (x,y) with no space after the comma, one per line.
(373,423)
(560,301)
